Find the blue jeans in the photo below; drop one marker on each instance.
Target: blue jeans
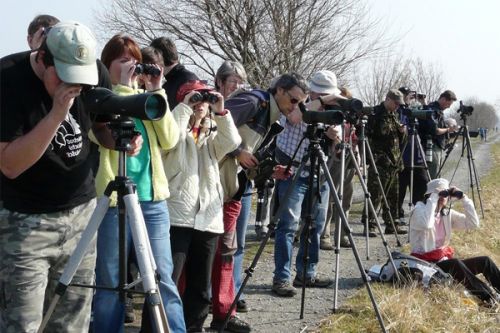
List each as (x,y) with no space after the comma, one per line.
(288,223)
(109,312)
(241,230)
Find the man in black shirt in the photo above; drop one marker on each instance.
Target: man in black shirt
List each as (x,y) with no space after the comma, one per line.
(175,73)
(46,177)
(437,129)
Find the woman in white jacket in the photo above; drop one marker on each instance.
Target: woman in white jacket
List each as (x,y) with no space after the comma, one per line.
(207,133)
(431,224)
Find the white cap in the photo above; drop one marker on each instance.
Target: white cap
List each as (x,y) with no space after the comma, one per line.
(324,82)
(437,185)
(73,47)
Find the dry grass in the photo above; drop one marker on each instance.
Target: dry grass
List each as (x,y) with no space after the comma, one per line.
(439,309)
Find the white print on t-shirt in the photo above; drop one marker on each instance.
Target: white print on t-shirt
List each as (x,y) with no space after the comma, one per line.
(68,137)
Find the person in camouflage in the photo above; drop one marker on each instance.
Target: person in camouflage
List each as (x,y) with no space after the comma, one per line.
(385,134)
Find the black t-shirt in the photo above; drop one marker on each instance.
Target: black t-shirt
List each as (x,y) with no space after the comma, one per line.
(62,178)
(175,79)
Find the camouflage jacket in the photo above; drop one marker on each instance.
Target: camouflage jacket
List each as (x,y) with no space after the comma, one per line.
(384,138)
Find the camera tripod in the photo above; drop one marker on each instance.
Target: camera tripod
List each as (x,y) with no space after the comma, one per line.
(315,157)
(471,165)
(415,143)
(365,148)
(129,211)
(346,150)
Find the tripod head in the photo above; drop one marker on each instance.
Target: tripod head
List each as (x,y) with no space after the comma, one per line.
(123,130)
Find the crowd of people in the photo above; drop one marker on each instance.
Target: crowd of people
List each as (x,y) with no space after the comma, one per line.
(193,172)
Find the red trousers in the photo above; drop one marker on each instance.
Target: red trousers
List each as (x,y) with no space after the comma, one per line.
(222,270)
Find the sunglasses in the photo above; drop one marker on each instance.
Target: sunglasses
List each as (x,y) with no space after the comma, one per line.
(293,100)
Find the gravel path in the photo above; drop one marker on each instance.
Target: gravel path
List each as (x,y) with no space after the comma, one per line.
(269,313)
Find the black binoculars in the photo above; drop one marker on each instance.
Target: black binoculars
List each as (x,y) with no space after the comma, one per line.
(451,193)
(204,96)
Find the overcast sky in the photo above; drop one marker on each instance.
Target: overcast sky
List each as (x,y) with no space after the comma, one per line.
(462,36)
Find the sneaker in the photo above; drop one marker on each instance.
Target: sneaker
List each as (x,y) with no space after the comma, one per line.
(129,311)
(344,241)
(389,230)
(241,306)
(371,231)
(234,324)
(313,282)
(283,289)
(325,244)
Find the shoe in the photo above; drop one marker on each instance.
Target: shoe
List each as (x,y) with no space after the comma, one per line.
(326,244)
(312,282)
(129,311)
(389,230)
(241,306)
(402,222)
(261,232)
(234,324)
(283,289)
(371,231)
(344,241)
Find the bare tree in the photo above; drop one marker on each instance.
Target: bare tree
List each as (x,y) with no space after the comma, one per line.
(267,36)
(392,70)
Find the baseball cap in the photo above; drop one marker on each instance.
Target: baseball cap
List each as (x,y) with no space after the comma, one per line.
(189,86)
(405,90)
(396,96)
(324,82)
(449,95)
(73,47)
(437,185)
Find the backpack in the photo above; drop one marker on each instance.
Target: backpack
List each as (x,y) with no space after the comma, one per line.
(410,269)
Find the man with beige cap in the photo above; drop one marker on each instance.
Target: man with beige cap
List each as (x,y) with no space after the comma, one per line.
(47,183)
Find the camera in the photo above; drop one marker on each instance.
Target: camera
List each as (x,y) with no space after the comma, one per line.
(348,109)
(465,110)
(102,101)
(146,69)
(418,113)
(204,96)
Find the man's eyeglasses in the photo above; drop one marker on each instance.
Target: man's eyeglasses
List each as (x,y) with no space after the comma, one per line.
(293,100)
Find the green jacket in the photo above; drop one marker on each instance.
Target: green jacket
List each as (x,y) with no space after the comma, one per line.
(385,138)
(162,134)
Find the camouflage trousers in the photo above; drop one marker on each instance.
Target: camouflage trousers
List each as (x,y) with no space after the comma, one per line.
(34,249)
(390,182)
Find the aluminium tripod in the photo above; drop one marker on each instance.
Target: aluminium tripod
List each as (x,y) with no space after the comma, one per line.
(471,164)
(129,211)
(367,151)
(316,161)
(346,150)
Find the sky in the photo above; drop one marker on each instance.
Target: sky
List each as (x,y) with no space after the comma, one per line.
(461,36)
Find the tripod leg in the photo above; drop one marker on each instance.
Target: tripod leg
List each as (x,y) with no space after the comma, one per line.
(343,219)
(77,257)
(272,224)
(145,262)
(473,170)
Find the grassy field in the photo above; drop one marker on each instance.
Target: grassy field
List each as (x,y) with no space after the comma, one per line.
(439,309)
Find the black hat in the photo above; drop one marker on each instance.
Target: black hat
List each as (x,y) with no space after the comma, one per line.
(405,90)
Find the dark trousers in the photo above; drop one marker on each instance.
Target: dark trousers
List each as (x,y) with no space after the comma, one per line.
(420,181)
(465,270)
(193,251)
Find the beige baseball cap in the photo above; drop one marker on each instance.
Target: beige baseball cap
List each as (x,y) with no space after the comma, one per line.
(73,47)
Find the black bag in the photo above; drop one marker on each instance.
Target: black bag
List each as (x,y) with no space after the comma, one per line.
(410,269)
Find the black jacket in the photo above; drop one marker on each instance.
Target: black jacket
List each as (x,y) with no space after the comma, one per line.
(176,78)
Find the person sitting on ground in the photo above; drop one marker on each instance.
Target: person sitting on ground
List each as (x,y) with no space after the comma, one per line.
(431,224)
